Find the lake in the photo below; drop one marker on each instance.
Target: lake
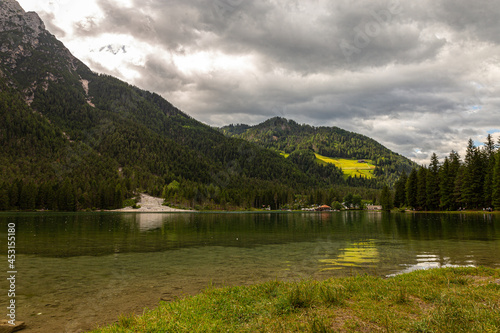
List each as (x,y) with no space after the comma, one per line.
(82,269)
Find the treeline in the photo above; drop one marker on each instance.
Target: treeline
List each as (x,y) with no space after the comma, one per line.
(454,184)
(258,194)
(66,196)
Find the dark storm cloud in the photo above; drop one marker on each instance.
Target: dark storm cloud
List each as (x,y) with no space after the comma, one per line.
(363,65)
(478,19)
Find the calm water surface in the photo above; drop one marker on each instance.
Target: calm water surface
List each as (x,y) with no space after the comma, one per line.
(79,270)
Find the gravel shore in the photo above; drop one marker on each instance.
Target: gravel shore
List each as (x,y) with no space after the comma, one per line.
(150,204)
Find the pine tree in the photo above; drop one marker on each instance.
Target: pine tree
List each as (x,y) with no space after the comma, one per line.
(455,163)
(445,186)
(458,187)
(386,199)
(411,189)
(422,188)
(473,177)
(496,183)
(433,198)
(400,187)
(489,152)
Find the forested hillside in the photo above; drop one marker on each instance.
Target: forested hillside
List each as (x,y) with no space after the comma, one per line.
(288,136)
(73,139)
(473,183)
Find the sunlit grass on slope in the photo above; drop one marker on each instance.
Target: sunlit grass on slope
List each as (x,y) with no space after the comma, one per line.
(350,167)
(440,300)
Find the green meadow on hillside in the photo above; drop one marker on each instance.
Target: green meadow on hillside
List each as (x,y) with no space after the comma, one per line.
(350,167)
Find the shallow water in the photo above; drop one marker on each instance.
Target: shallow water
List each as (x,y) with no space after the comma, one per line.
(79,270)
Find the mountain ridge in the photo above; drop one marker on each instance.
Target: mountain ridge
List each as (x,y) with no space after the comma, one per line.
(74,139)
(288,136)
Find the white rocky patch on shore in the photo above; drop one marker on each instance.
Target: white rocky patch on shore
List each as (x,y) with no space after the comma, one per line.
(150,204)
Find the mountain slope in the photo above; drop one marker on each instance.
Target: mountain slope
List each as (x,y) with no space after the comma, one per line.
(75,139)
(288,136)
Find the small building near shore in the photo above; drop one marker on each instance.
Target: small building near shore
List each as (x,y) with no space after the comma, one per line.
(374,207)
(323,208)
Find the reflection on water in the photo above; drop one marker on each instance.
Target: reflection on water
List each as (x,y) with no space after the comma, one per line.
(76,270)
(363,254)
(150,221)
(429,261)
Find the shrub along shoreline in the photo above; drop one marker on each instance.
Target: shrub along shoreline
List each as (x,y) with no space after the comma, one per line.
(436,300)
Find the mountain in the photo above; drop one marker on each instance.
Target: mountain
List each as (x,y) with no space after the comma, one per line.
(74,139)
(289,137)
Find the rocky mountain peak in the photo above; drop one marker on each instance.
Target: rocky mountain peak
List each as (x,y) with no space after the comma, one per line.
(30,56)
(13,17)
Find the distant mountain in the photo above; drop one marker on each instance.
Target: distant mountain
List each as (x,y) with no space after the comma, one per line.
(288,137)
(74,139)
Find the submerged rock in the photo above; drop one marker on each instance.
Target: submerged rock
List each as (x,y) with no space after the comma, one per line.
(5,327)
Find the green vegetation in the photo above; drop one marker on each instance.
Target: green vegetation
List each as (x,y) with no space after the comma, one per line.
(287,136)
(351,168)
(73,148)
(439,300)
(454,185)
(71,139)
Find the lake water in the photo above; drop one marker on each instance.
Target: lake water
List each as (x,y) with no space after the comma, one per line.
(79,270)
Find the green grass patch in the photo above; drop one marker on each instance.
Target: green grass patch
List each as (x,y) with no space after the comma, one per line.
(285,155)
(438,300)
(350,167)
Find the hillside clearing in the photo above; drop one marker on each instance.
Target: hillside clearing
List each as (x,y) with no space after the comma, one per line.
(350,167)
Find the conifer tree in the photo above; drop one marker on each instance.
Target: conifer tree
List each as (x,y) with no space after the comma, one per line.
(422,188)
(473,177)
(445,190)
(432,184)
(400,187)
(458,185)
(452,177)
(411,189)
(496,183)
(386,199)
(489,151)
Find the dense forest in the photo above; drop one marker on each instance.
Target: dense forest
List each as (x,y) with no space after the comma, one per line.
(473,183)
(288,136)
(72,139)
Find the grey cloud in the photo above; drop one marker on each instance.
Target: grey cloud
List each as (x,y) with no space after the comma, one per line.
(478,19)
(49,21)
(414,66)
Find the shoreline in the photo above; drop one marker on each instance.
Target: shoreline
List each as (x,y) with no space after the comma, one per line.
(150,204)
(433,300)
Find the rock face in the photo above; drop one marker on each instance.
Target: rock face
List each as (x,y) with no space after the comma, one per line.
(13,17)
(30,56)
(20,32)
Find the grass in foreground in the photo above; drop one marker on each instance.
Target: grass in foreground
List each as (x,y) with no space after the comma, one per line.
(439,300)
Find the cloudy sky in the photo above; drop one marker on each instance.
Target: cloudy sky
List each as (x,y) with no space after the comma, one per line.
(418,76)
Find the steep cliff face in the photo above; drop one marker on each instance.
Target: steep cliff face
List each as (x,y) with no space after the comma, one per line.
(30,56)
(20,30)
(13,16)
